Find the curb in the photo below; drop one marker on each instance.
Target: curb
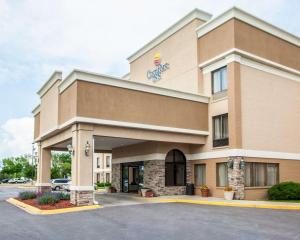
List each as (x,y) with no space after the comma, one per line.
(35,211)
(229,204)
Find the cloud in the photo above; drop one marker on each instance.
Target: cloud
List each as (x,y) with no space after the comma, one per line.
(38,37)
(16,136)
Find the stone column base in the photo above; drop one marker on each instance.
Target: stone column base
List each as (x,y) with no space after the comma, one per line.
(82,198)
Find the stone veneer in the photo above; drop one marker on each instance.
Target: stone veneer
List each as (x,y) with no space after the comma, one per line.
(116,176)
(236,178)
(154,178)
(82,198)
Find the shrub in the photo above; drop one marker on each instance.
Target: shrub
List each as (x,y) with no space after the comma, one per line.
(62,196)
(103,184)
(284,191)
(48,198)
(27,195)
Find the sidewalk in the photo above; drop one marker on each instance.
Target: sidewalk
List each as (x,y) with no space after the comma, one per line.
(229,203)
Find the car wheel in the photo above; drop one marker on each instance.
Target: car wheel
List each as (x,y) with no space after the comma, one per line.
(57,188)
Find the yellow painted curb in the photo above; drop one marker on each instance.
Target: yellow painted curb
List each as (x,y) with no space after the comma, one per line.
(231,204)
(36,211)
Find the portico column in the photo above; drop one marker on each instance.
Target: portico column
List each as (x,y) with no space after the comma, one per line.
(82,189)
(43,169)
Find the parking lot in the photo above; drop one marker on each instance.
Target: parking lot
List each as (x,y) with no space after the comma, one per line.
(149,221)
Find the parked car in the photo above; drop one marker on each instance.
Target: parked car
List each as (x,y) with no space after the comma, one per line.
(67,186)
(5,180)
(13,180)
(21,180)
(58,184)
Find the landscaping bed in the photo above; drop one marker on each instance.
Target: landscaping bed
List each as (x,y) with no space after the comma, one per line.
(59,205)
(46,201)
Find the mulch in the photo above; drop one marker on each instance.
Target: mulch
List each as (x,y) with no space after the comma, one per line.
(61,204)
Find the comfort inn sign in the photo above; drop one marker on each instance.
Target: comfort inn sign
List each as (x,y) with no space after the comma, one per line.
(155,74)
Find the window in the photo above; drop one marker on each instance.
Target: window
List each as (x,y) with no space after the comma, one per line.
(175,171)
(98,177)
(107,176)
(200,174)
(220,130)
(98,162)
(107,161)
(219,80)
(222,175)
(261,174)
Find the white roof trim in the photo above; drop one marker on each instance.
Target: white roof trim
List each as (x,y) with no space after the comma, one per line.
(213,154)
(57,75)
(195,14)
(237,13)
(122,83)
(126,76)
(138,158)
(36,110)
(244,153)
(250,60)
(105,122)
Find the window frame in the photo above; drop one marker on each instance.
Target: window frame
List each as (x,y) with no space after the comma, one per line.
(174,163)
(224,141)
(265,170)
(218,177)
(213,80)
(98,162)
(195,177)
(109,161)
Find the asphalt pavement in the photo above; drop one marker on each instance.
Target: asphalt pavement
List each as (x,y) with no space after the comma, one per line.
(161,221)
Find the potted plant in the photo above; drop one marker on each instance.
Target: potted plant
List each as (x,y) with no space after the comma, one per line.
(204,191)
(143,191)
(228,193)
(111,189)
(149,193)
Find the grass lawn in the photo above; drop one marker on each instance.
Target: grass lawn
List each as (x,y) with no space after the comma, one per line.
(291,201)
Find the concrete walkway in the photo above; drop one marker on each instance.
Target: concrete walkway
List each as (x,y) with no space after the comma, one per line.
(125,199)
(232,203)
(119,199)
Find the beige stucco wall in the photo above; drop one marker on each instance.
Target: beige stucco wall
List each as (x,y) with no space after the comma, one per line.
(215,107)
(217,41)
(211,176)
(68,103)
(270,111)
(180,51)
(258,42)
(37,125)
(148,147)
(288,171)
(49,109)
(113,103)
(237,34)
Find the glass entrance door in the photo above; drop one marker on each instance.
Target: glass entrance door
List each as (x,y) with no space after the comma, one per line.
(132,176)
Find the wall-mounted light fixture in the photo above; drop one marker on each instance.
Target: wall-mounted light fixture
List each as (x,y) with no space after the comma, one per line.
(242,164)
(230,164)
(70,149)
(87,148)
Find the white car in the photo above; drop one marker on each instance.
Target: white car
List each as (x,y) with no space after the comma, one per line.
(58,184)
(13,180)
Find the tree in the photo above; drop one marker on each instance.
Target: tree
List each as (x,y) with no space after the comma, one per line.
(61,165)
(18,167)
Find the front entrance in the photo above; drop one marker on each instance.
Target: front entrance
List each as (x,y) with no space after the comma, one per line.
(132,176)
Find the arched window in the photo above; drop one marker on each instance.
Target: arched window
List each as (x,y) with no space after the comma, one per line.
(175,173)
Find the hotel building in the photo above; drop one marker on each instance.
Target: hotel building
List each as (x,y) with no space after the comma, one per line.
(211,100)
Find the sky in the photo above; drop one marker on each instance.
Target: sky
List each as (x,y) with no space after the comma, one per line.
(40,36)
